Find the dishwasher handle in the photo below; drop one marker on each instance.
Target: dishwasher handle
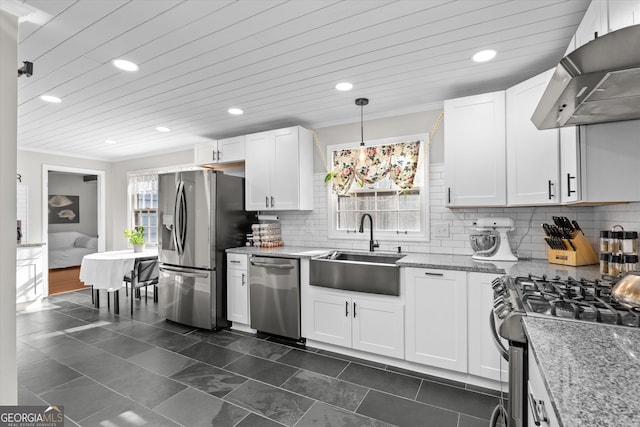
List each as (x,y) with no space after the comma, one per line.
(277,266)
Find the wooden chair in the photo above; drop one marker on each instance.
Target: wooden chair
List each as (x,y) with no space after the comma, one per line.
(145,273)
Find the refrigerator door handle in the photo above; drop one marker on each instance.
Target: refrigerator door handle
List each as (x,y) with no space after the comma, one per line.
(174,229)
(183,273)
(180,220)
(183,219)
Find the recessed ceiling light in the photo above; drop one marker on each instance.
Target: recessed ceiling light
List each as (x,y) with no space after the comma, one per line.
(235,111)
(344,86)
(110,141)
(125,65)
(484,55)
(163,129)
(51,98)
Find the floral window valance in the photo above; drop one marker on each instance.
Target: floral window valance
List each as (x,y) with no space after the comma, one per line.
(398,161)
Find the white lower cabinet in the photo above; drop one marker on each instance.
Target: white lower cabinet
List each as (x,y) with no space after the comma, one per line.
(237,289)
(484,359)
(29,274)
(436,318)
(348,320)
(540,411)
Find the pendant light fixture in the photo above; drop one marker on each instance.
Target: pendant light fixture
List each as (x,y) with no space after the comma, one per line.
(362,155)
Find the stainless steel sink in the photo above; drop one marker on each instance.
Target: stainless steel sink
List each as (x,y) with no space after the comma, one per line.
(361,272)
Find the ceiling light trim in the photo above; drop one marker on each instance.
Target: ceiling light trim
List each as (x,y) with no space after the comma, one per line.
(484,55)
(125,65)
(344,86)
(51,98)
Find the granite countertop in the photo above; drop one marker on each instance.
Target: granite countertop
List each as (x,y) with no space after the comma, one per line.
(30,244)
(281,252)
(591,371)
(443,262)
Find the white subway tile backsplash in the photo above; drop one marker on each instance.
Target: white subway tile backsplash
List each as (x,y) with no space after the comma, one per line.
(310,229)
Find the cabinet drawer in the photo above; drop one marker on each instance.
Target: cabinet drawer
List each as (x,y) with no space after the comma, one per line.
(28,252)
(236,261)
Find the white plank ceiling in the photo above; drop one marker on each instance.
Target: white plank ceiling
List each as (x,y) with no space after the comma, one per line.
(277,60)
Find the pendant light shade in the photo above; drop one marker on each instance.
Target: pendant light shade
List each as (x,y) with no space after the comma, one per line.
(362,155)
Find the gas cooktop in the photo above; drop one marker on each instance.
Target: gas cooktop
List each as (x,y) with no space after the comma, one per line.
(577,299)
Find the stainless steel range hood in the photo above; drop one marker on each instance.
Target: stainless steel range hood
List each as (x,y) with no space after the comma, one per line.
(596,83)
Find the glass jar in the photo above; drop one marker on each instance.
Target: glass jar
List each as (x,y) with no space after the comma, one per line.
(615,265)
(604,241)
(604,264)
(615,237)
(630,263)
(629,242)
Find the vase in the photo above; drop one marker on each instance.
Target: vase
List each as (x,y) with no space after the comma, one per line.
(138,248)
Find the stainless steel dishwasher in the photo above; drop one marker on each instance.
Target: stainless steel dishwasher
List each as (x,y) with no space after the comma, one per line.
(274,289)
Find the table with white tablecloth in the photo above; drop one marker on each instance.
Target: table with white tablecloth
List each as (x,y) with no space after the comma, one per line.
(106,270)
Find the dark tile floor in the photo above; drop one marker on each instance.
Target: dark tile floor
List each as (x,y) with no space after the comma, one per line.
(112,370)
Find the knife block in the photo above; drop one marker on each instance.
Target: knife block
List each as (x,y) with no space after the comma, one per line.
(583,255)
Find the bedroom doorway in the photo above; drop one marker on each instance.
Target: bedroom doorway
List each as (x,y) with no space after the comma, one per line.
(73,222)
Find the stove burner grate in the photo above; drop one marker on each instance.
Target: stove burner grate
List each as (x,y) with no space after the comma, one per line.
(580,299)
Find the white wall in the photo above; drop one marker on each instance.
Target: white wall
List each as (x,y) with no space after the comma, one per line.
(406,124)
(8,138)
(73,184)
(118,189)
(30,165)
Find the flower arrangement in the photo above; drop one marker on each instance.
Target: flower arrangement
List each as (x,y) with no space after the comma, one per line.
(135,235)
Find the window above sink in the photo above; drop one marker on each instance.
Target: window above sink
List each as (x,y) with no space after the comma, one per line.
(398,214)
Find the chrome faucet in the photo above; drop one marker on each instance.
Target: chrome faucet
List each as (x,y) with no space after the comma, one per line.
(372,243)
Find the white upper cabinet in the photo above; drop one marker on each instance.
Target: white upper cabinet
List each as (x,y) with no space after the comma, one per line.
(278,170)
(605,16)
(593,23)
(622,13)
(228,150)
(609,154)
(570,179)
(231,149)
(474,132)
(205,152)
(532,154)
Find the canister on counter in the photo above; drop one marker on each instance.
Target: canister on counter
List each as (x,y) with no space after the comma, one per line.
(604,263)
(615,265)
(629,242)
(615,237)
(604,241)
(630,263)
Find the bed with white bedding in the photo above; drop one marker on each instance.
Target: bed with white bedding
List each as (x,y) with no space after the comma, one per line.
(66,248)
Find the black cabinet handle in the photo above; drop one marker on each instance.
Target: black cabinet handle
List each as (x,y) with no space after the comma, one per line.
(354,310)
(346,308)
(569,190)
(428,273)
(448,194)
(551,195)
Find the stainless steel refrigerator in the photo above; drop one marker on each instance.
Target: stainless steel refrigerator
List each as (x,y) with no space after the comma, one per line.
(201,213)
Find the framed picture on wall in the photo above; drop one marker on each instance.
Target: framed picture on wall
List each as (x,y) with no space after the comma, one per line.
(64,209)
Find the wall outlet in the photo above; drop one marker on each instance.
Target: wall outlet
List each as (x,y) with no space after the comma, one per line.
(441,229)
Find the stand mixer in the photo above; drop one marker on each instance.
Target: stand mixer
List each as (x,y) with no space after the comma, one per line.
(492,241)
